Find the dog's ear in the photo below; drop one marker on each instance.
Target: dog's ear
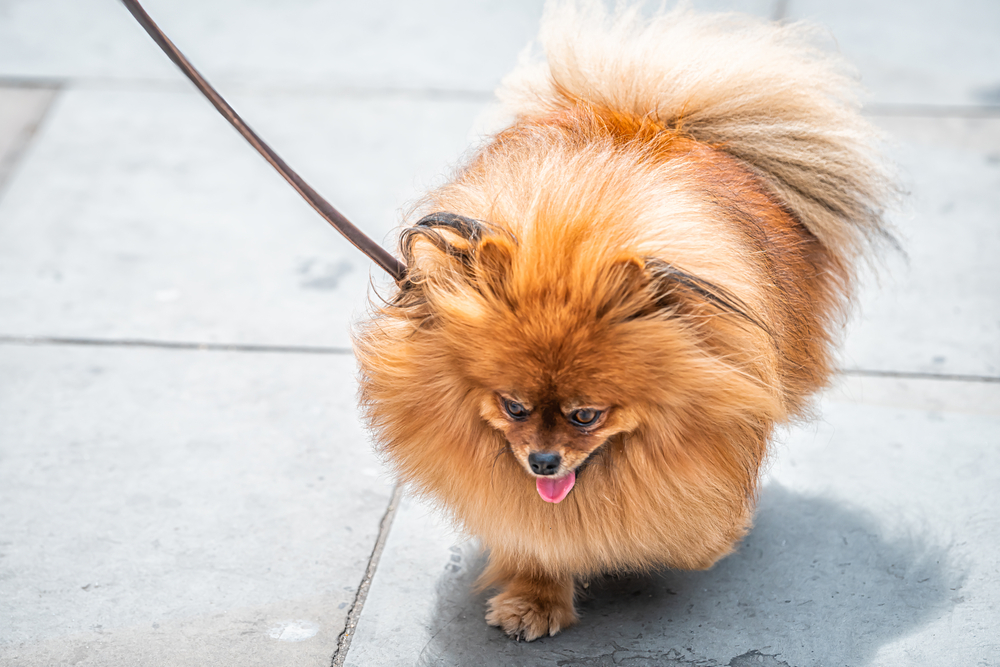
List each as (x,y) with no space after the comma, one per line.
(622,287)
(674,290)
(494,261)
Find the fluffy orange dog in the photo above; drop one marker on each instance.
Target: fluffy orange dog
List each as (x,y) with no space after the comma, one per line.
(610,308)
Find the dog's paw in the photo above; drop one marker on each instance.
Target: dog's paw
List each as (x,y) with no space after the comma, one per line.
(529,619)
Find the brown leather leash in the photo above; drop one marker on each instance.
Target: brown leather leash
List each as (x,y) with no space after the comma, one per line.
(359,239)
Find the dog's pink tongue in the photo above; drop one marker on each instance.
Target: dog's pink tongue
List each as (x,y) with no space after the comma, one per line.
(554,490)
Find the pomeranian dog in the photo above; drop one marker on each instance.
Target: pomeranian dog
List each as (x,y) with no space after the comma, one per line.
(611,306)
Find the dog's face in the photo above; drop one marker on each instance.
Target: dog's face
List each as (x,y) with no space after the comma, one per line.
(553,429)
(557,398)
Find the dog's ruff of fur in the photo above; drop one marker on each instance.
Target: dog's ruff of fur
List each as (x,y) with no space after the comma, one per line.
(669,229)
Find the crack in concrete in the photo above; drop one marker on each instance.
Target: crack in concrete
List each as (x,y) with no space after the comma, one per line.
(344,640)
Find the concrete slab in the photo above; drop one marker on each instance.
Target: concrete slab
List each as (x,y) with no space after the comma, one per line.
(21,110)
(180,508)
(875,544)
(920,52)
(142,214)
(937,310)
(444,44)
(439,45)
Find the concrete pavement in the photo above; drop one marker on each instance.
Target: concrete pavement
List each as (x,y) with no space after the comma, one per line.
(183,479)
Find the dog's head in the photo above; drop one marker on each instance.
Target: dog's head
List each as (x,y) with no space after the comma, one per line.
(559,349)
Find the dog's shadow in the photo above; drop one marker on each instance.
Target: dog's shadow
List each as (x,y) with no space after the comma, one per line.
(813,583)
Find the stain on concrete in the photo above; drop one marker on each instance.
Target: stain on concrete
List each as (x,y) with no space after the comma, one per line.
(988,94)
(323,275)
(293,631)
(757,659)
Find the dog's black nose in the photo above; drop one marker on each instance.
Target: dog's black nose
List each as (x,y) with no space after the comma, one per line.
(544,463)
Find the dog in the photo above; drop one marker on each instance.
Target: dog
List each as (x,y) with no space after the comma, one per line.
(611,306)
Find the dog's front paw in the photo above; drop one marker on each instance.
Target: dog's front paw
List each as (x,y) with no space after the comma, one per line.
(529,617)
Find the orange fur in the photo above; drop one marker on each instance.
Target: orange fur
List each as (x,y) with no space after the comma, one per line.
(617,262)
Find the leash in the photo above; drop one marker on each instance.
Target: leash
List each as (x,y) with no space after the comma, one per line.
(358,238)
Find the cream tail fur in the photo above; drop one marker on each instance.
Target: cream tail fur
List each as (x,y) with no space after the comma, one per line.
(759,91)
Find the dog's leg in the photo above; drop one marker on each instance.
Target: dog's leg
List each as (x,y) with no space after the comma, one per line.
(532,605)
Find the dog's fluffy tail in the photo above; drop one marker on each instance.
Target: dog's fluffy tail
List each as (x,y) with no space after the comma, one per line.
(759,91)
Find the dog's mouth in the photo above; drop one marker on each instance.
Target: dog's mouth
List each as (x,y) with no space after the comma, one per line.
(555,489)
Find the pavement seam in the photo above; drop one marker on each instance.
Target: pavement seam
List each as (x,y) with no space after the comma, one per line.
(352,92)
(933,110)
(319,349)
(172,345)
(780,11)
(918,375)
(48,83)
(344,640)
(238,87)
(19,149)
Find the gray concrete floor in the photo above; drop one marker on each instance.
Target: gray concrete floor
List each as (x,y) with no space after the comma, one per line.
(183,479)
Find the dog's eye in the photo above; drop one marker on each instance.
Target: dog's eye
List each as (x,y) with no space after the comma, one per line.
(515,410)
(584,417)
